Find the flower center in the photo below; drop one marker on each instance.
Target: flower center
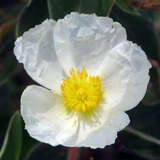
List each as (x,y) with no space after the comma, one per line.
(81,93)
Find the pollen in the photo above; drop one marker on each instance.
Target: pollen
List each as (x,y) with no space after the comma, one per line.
(81,93)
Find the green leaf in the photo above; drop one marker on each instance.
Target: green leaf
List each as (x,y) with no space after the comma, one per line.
(5,111)
(144,120)
(8,67)
(127,6)
(11,148)
(156,15)
(59,8)
(148,114)
(107,6)
(28,144)
(38,10)
(151,98)
(139,30)
(47,152)
(139,145)
(34,13)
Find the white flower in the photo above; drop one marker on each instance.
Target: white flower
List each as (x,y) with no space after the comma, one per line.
(91,75)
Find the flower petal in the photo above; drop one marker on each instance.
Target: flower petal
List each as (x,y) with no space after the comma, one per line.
(98,138)
(125,74)
(43,117)
(46,122)
(117,119)
(35,49)
(110,122)
(84,40)
(101,130)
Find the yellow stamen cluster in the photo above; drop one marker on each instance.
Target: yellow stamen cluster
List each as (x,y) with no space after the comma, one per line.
(81,93)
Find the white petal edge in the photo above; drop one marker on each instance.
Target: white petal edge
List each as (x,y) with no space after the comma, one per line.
(46,122)
(106,132)
(125,75)
(101,130)
(35,49)
(44,118)
(84,39)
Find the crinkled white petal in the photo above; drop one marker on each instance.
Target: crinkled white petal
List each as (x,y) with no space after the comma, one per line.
(125,75)
(116,119)
(43,117)
(101,130)
(35,49)
(97,138)
(99,45)
(83,40)
(46,121)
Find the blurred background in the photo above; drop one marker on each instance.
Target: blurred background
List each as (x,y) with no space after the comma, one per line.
(141,18)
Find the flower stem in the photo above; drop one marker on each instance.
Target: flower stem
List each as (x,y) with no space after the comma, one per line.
(142,135)
(73,153)
(110,8)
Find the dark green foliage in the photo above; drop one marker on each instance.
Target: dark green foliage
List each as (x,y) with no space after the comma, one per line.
(141,29)
(38,10)
(34,13)
(126,6)
(11,148)
(47,152)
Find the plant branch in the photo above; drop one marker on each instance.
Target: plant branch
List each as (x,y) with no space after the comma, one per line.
(143,136)
(49,8)
(110,8)
(73,153)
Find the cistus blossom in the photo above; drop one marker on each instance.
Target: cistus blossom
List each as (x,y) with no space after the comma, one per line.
(89,73)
